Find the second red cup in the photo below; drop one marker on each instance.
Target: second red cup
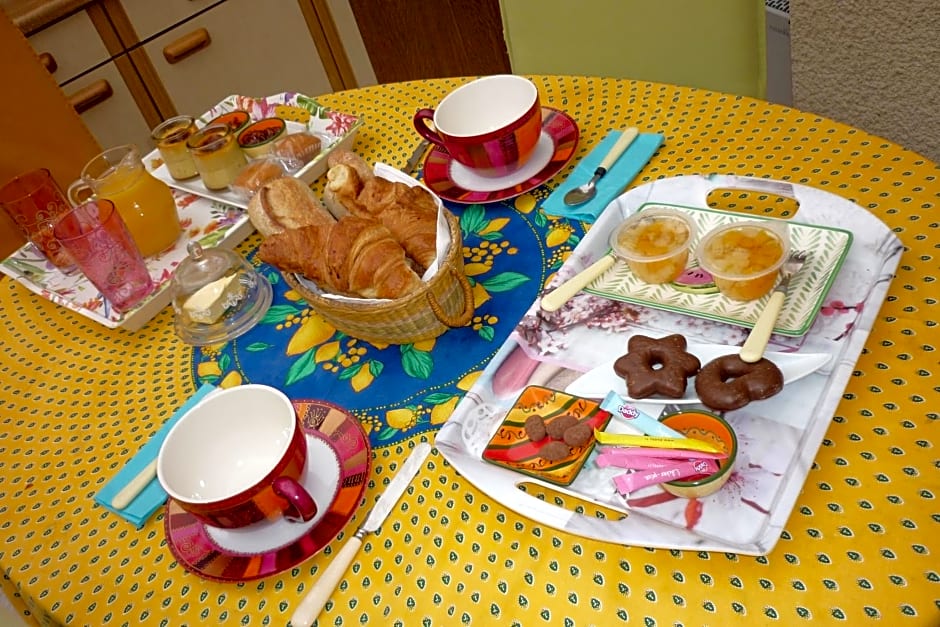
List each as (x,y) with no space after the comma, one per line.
(34,201)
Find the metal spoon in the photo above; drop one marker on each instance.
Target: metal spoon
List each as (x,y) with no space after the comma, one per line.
(584,193)
(756,342)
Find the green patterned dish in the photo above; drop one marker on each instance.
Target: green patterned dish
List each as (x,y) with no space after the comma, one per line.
(694,293)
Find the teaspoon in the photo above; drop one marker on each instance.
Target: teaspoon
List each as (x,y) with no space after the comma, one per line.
(584,193)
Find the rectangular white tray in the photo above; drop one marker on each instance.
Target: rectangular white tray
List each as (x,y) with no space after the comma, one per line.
(335,129)
(209,222)
(781,435)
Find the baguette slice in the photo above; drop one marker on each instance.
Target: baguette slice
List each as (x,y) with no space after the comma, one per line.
(286,203)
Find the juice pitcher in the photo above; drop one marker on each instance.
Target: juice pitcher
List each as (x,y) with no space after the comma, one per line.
(144,202)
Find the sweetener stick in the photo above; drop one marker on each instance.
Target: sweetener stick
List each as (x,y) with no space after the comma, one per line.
(624,439)
(633,462)
(630,481)
(637,451)
(643,422)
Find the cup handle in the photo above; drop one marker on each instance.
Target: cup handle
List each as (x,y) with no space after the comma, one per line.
(75,188)
(421,119)
(300,505)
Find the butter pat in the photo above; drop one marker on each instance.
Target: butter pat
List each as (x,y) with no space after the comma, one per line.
(209,303)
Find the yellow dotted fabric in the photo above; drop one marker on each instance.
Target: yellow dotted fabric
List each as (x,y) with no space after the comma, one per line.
(860,548)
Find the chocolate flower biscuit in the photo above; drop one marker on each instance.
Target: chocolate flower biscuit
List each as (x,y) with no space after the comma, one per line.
(657,366)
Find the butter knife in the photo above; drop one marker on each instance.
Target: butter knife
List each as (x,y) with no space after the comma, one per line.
(311,605)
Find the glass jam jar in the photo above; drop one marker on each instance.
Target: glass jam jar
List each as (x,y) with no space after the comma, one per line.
(217,155)
(170,139)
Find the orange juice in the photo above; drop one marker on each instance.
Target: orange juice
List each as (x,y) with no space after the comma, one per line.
(146,205)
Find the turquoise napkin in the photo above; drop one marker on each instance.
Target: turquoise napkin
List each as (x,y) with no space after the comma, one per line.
(611,184)
(153,496)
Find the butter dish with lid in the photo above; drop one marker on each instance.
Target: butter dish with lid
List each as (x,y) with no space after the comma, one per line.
(217,296)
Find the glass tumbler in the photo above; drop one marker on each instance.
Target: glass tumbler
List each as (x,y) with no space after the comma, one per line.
(34,201)
(98,240)
(170,139)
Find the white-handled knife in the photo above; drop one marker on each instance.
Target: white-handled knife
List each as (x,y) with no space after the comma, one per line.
(135,486)
(311,605)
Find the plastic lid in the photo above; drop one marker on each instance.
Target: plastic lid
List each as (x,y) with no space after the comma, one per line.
(217,296)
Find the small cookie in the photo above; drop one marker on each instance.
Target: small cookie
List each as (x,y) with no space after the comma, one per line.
(578,435)
(728,382)
(535,428)
(557,426)
(554,451)
(657,366)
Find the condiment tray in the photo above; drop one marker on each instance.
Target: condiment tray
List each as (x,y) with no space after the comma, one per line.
(779,437)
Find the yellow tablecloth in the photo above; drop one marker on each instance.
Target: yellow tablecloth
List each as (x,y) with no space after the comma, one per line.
(77,400)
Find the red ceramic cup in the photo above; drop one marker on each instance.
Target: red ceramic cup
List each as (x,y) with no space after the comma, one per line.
(34,202)
(490,125)
(238,458)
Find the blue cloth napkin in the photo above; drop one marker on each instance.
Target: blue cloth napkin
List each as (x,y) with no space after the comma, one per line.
(611,184)
(153,496)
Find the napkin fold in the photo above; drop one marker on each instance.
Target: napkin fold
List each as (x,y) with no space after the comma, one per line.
(611,184)
(153,496)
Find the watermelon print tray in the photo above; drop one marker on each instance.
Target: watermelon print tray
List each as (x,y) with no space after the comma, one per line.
(694,293)
(511,447)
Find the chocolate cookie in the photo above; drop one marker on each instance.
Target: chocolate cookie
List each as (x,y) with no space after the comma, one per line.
(729,382)
(657,366)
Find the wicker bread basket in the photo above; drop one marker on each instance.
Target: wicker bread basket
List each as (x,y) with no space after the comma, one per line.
(442,303)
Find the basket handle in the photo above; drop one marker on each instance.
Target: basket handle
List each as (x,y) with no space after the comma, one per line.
(462,318)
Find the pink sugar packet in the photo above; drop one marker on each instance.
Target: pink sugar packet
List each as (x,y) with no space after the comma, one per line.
(630,481)
(634,462)
(648,451)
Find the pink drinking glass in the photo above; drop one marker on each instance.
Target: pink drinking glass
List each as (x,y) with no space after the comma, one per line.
(95,236)
(34,202)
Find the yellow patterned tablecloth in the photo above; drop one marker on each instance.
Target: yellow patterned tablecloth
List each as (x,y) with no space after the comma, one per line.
(860,548)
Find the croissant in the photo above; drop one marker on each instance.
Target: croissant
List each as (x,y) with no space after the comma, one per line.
(353,256)
(409,212)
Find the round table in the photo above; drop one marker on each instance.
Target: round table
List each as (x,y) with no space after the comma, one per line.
(77,400)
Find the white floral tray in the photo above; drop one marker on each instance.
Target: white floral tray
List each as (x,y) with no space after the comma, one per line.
(827,246)
(208,222)
(778,437)
(335,130)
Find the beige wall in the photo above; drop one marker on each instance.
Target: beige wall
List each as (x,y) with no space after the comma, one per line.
(873,64)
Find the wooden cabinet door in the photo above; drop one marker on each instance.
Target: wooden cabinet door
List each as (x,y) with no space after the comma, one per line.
(414,39)
(253,49)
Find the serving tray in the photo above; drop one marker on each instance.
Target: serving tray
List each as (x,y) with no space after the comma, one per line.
(780,436)
(335,129)
(209,222)
(827,246)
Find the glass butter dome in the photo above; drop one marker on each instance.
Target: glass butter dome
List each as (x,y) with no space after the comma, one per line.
(217,296)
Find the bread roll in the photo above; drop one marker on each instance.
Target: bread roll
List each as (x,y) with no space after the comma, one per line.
(299,148)
(256,174)
(286,203)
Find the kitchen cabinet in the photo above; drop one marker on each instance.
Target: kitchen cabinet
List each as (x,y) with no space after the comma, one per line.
(240,47)
(91,77)
(127,65)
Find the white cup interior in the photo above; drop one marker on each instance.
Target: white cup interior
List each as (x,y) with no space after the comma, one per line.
(226,444)
(484,105)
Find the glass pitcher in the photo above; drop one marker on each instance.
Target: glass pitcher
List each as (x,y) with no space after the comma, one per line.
(145,202)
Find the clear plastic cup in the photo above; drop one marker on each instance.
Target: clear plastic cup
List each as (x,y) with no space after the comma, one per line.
(745,257)
(655,243)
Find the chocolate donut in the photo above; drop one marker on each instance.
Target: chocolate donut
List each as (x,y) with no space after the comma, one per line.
(728,382)
(656,366)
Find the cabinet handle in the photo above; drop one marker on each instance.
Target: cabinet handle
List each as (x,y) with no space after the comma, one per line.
(48,61)
(94,94)
(186,45)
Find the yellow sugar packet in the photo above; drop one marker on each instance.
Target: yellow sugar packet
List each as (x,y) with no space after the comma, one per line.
(626,439)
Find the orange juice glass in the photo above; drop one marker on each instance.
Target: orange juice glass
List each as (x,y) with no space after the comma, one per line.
(144,202)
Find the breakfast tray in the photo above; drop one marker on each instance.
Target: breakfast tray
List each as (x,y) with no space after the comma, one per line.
(206,221)
(779,437)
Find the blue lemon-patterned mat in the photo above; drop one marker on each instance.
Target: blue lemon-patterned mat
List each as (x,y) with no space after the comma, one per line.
(511,249)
